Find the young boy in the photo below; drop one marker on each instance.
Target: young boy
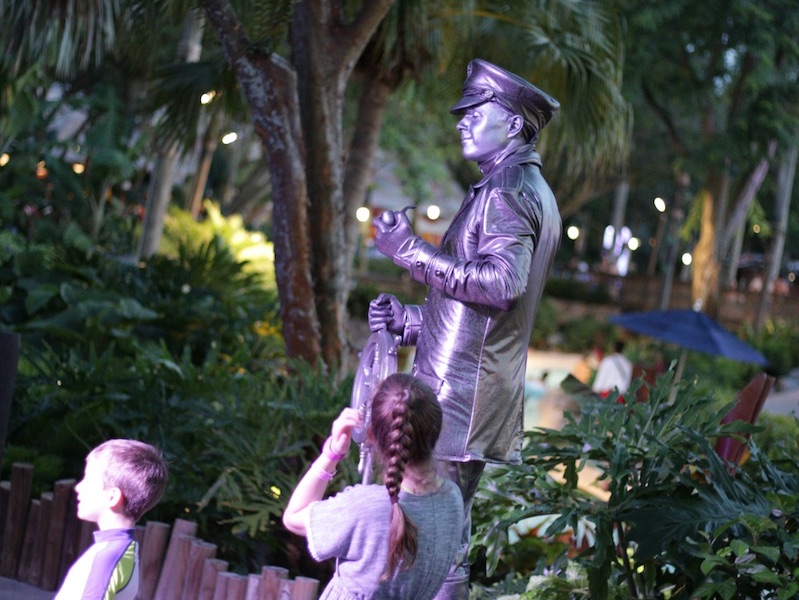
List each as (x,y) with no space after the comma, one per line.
(123,479)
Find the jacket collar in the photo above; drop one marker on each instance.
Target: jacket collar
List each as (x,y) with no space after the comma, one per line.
(520,155)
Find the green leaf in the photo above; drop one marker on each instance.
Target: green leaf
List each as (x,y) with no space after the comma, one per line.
(770,552)
(739,547)
(726,589)
(766,576)
(789,592)
(711,562)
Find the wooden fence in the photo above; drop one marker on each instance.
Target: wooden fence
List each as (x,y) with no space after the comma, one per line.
(40,538)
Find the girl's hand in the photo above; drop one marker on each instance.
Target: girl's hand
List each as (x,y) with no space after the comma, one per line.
(341,431)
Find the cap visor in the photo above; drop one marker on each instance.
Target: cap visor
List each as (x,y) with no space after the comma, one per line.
(467,101)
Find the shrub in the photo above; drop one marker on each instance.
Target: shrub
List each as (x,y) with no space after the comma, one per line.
(184,352)
(678,521)
(573,289)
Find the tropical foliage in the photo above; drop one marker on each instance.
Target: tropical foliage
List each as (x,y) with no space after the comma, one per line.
(668,517)
(184,351)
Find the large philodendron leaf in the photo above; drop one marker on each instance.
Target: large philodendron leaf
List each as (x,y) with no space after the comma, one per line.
(707,498)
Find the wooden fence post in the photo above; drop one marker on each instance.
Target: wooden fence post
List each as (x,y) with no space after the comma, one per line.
(230,586)
(5,493)
(69,549)
(40,543)
(305,588)
(16,518)
(9,351)
(28,543)
(175,559)
(271,578)
(286,589)
(253,582)
(211,569)
(199,552)
(51,565)
(173,577)
(151,557)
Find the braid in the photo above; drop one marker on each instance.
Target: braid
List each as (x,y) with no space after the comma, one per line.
(402,541)
(406,422)
(399,442)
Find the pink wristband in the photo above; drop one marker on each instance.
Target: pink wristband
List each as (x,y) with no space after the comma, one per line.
(327,450)
(321,473)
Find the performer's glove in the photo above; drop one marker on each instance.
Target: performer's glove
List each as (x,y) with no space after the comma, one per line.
(393,232)
(387,312)
(395,239)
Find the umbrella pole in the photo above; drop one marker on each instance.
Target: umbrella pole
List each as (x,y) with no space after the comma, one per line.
(678,375)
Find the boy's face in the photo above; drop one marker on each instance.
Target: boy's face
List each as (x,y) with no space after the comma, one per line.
(93,498)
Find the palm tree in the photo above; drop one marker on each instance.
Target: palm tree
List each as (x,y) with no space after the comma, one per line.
(297,111)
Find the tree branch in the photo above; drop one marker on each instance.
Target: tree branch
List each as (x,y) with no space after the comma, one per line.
(739,93)
(665,117)
(357,33)
(746,195)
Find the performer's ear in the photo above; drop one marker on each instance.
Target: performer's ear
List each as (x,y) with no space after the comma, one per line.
(515,125)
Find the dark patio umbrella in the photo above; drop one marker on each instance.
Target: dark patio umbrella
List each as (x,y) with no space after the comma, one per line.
(692,330)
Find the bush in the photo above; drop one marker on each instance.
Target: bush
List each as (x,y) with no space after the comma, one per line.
(779,342)
(779,437)
(678,521)
(580,291)
(184,352)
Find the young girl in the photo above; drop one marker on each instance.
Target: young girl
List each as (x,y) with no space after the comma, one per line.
(392,541)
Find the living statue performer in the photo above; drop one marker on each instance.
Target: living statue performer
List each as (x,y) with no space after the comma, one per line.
(485,280)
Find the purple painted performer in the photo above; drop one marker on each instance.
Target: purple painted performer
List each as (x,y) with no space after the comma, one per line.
(486,279)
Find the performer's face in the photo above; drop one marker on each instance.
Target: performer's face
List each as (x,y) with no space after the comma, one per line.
(484,131)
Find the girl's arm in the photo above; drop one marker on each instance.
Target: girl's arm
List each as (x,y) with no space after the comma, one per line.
(312,486)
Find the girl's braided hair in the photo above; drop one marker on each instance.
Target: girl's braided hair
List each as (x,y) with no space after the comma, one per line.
(406,423)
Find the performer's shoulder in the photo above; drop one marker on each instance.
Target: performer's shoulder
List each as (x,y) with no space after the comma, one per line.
(509,179)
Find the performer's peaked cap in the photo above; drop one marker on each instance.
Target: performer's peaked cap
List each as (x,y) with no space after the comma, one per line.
(486,82)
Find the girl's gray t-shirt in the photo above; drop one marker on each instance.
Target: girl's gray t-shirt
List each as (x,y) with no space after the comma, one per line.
(353,527)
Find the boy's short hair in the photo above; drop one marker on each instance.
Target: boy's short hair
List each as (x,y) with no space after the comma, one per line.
(139,470)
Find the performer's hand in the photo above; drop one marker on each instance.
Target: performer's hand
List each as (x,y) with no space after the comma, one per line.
(387,312)
(341,431)
(393,228)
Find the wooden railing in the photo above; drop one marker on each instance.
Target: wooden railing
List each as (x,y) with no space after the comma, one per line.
(40,538)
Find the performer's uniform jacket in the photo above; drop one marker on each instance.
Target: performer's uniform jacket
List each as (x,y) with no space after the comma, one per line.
(486,280)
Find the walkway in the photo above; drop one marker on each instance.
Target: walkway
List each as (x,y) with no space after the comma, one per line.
(13,590)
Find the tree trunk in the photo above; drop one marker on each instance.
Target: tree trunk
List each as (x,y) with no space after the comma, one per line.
(750,189)
(617,217)
(363,148)
(270,86)
(194,201)
(299,118)
(254,198)
(159,192)
(676,217)
(785,180)
(324,53)
(730,279)
(704,284)
(321,92)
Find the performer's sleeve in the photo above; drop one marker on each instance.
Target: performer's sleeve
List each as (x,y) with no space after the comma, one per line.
(498,276)
(414,316)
